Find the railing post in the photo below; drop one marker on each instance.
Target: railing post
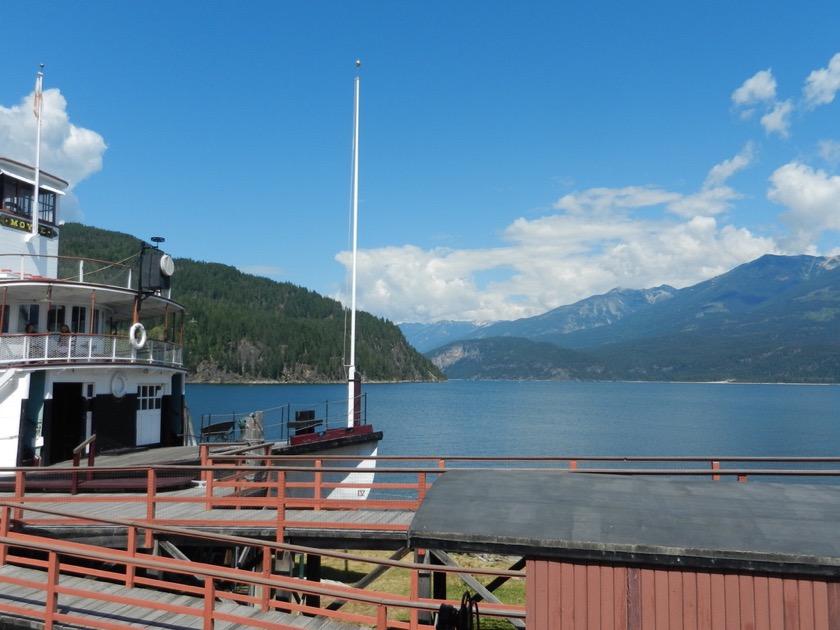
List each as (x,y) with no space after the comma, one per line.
(209,602)
(5,516)
(20,490)
(715,466)
(151,486)
(265,591)
(414,617)
(421,488)
(381,617)
(317,490)
(572,464)
(281,506)
(51,603)
(131,547)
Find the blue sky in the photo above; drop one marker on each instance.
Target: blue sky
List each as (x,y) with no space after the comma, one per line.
(515,156)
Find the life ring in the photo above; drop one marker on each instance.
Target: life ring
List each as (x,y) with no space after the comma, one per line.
(136,342)
(118,385)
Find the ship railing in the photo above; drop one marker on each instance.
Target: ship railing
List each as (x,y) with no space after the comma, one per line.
(52,348)
(282,422)
(68,269)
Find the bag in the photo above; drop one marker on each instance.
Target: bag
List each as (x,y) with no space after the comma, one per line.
(464,618)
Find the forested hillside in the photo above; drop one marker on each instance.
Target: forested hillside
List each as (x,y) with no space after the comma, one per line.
(249,328)
(774,319)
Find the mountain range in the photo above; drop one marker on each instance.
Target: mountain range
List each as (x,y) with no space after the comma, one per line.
(774,319)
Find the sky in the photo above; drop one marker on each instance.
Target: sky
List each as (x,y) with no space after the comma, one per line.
(515,156)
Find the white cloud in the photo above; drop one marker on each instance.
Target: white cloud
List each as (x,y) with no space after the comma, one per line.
(812,199)
(708,201)
(778,119)
(549,261)
(601,238)
(600,200)
(726,169)
(821,85)
(758,93)
(829,150)
(537,272)
(759,88)
(70,152)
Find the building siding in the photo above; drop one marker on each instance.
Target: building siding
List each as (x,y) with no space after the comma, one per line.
(577,596)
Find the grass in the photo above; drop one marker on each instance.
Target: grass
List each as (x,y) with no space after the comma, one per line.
(397,581)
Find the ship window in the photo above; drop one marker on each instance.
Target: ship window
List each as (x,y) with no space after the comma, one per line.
(78,319)
(46,206)
(149,397)
(28,315)
(17,198)
(55,318)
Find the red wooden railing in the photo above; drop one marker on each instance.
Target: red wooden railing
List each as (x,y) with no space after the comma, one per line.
(60,559)
(295,488)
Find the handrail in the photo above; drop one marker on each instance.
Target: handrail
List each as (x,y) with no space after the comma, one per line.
(73,269)
(55,348)
(295,487)
(83,446)
(213,597)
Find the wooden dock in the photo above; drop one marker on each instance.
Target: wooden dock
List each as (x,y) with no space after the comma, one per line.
(336,529)
(109,606)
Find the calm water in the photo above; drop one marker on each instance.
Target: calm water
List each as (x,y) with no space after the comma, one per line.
(502,418)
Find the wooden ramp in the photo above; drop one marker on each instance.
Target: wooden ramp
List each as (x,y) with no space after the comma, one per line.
(27,605)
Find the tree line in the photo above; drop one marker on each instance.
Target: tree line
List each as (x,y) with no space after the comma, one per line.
(240,327)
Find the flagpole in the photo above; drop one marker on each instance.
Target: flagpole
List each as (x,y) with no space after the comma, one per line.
(352,394)
(39,107)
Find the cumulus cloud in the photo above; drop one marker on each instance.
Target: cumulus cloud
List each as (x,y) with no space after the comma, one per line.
(597,240)
(537,273)
(70,152)
(758,93)
(821,85)
(759,88)
(777,120)
(811,197)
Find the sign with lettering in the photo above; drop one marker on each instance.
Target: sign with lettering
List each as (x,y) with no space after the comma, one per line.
(26,226)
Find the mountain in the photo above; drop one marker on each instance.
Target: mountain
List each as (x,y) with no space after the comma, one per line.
(774,319)
(592,312)
(511,358)
(245,328)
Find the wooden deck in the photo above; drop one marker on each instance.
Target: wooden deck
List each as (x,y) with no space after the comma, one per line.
(105,608)
(368,529)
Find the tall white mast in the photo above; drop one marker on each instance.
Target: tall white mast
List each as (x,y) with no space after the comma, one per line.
(38,109)
(352,394)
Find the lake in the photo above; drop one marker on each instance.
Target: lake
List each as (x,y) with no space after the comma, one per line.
(520,419)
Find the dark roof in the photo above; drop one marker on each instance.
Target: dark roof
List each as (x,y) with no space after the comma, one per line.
(784,527)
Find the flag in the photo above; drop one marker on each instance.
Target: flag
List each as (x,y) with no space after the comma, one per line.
(39,96)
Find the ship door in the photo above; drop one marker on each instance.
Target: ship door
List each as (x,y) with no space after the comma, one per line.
(65,424)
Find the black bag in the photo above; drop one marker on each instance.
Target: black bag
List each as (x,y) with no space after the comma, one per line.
(464,618)
(447,618)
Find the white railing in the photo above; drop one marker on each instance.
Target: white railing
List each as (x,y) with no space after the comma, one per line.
(34,266)
(76,348)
